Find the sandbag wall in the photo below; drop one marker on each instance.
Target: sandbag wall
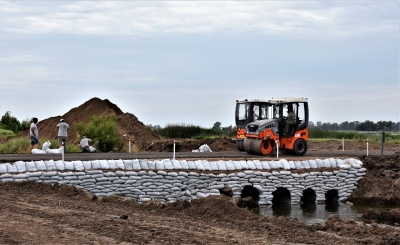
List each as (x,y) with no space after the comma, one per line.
(171,180)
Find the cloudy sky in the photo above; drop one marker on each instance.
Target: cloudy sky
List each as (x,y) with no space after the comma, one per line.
(187,62)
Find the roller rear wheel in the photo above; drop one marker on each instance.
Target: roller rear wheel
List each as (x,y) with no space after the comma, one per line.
(300,147)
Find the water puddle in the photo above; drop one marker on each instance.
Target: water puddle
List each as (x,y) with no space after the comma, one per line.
(318,213)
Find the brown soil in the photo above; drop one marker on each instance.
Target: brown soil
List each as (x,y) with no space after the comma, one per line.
(34,213)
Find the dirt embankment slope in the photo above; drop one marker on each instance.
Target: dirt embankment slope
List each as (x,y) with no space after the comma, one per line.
(127,123)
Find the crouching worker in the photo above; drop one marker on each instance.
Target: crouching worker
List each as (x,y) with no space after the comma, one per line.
(85,144)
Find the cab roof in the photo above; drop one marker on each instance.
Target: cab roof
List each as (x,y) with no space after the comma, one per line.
(287,100)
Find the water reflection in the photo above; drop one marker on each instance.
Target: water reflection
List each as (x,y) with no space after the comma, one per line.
(311,213)
(281,209)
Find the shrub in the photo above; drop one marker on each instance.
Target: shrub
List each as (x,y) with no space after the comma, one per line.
(103,131)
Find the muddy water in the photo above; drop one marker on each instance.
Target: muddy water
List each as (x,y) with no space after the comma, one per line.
(318,213)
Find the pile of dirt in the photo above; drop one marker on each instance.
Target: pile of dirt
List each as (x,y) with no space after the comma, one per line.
(127,123)
(381,183)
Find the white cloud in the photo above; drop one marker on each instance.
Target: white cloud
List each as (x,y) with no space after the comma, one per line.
(300,18)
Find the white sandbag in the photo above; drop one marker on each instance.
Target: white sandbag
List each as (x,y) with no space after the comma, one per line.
(159,165)
(313,163)
(251,164)
(265,165)
(273,165)
(168,164)
(298,165)
(144,165)
(92,149)
(96,164)
(132,165)
(292,165)
(191,165)
(205,148)
(327,163)
(46,145)
(104,164)
(199,165)
(60,165)
(258,164)
(306,164)
(184,164)
(112,164)
(230,165)
(320,163)
(333,162)
(11,168)
(54,151)
(176,164)
(87,165)
(152,165)
(50,165)
(278,164)
(206,164)
(38,151)
(237,165)
(285,164)
(120,164)
(78,165)
(69,165)
(40,165)
(214,165)
(244,164)
(3,168)
(21,166)
(221,165)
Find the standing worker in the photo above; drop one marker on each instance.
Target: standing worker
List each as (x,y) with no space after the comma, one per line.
(62,133)
(34,133)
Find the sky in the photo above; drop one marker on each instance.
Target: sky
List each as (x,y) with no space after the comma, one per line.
(187,62)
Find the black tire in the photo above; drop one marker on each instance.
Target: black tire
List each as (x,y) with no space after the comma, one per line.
(300,147)
(239,145)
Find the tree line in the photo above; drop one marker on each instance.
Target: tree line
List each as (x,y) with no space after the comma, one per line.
(11,123)
(358,126)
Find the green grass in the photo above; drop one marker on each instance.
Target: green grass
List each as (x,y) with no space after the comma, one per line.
(6,133)
(319,135)
(22,145)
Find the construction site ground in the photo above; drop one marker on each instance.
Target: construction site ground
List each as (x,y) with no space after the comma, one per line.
(35,213)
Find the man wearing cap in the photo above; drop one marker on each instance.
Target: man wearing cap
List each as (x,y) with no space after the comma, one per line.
(62,133)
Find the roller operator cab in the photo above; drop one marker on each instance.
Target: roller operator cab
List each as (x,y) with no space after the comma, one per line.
(248,111)
(287,129)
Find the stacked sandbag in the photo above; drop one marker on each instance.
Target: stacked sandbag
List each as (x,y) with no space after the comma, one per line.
(169,180)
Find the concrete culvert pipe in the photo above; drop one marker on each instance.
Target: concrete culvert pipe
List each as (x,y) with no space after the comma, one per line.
(308,197)
(332,196)
(281,196)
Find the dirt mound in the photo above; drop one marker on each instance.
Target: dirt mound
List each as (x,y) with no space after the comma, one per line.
(127,124)
(381,183)
(391,216)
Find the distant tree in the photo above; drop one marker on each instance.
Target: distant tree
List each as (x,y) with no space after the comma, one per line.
(319,124)
(228,130)
(11,123)
(367,126)
(384,125)
(217,126)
